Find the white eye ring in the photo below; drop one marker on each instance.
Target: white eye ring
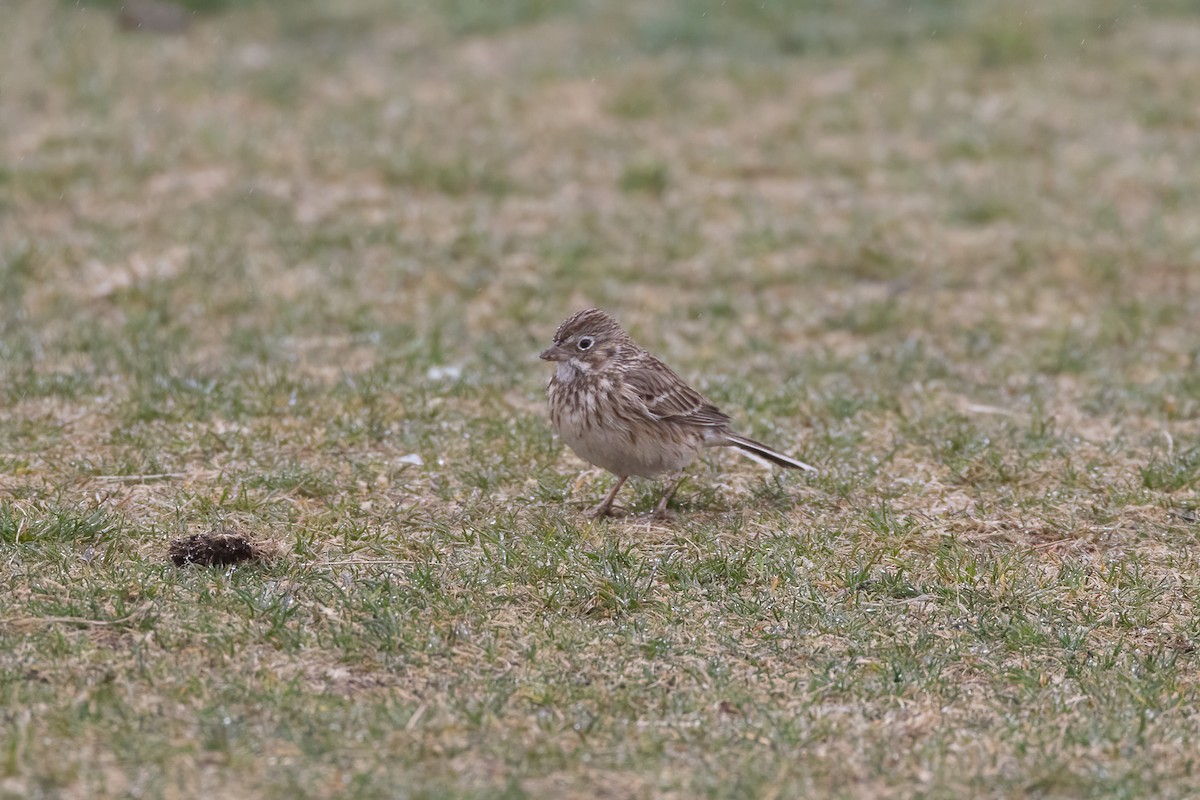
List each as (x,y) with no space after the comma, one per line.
(586,343)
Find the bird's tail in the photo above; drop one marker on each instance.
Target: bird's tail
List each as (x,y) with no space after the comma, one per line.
(760,452)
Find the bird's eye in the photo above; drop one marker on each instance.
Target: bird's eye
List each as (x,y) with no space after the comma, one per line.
(586,343)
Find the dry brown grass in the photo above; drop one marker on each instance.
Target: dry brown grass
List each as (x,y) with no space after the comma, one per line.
(287,272)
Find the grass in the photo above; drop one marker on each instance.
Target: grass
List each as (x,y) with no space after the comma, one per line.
(288,273)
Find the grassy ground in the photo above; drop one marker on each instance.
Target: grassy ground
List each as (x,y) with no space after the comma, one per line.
(288,273)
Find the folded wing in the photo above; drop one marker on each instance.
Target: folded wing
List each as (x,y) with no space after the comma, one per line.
(666,397)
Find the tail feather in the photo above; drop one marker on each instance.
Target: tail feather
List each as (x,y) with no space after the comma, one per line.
(759,451)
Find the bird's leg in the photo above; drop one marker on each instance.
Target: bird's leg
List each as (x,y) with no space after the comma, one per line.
(605,507)
(660,510)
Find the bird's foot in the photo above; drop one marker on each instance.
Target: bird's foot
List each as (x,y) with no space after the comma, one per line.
(601,511)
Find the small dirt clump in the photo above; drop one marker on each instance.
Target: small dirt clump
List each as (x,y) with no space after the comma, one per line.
(220,547)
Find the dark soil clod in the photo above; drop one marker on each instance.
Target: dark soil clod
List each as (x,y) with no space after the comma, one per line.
(217,548)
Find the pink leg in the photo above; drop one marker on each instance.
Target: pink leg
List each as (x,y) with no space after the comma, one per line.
(660,510)
(605,507)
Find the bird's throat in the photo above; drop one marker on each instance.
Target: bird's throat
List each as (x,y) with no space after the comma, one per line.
(570,370)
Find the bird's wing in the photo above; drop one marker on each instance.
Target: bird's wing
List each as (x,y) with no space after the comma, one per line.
(666,397)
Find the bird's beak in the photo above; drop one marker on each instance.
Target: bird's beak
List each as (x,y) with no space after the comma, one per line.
(554,353)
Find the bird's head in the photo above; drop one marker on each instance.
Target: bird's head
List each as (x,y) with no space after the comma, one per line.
(587,341)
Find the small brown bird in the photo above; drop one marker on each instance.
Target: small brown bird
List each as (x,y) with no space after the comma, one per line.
(622,409)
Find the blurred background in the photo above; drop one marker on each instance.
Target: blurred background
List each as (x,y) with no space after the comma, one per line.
(217,183)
